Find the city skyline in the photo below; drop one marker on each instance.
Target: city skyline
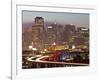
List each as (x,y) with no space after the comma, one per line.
(58,17)
(48,44)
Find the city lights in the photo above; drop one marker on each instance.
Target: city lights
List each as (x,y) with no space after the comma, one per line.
(49,26)
(45,50)
(48,44)
(73,46)
(34,49)
(84,29)
(54,43)
(30,46)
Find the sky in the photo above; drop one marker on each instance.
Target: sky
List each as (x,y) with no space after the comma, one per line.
(78,19)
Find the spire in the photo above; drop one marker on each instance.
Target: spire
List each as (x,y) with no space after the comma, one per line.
(55,22)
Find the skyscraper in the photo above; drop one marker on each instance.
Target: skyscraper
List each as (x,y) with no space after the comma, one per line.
(38,33)
(68,33)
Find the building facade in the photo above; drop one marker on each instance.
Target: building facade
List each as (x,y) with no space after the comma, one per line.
(38,35)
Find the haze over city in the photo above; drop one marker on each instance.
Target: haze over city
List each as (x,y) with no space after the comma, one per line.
(78,19)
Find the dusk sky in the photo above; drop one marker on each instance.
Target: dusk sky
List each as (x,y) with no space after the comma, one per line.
(78,19)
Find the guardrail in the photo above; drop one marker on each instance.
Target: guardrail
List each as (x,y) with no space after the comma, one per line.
(50,64)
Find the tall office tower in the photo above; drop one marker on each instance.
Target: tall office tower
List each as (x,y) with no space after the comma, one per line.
(54,33)
(51,36)
(38,33)
(59,30)
(26,37)
(82,37)
(68,33)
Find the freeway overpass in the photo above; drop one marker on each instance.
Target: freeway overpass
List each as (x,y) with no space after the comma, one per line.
(49,64)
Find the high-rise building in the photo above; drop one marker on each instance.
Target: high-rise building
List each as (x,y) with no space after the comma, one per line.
(54,33)
(68,33)
(38,33)
(58,29)
(50,36)
(39,22)
(26,37)
(82,37)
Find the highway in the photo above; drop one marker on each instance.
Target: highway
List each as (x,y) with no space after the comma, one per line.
(37,62)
